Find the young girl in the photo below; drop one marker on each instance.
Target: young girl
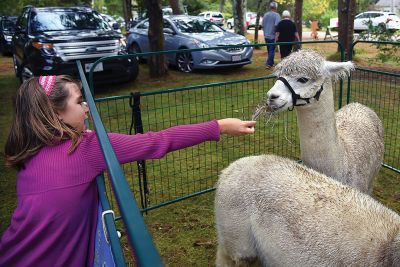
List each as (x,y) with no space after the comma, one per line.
(57,161)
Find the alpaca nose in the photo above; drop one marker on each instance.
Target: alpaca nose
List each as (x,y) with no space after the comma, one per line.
(273,96)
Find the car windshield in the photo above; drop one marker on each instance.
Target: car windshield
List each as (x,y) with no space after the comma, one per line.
(196,26)
(8,25)
(67,20)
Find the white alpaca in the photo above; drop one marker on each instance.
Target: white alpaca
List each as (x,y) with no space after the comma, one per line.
(272,211)
(347,145)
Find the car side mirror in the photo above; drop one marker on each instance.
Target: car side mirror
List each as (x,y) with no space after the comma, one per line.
(168,31)
(18,29)
(115,26)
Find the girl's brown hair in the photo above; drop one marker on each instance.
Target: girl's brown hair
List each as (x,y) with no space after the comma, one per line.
(36,123)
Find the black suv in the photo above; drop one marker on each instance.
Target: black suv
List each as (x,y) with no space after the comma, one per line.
(48,41)
(7,26)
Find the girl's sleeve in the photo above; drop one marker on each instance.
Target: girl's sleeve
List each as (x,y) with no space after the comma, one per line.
(150,145)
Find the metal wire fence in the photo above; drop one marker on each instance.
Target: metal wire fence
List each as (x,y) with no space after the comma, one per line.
(185,173)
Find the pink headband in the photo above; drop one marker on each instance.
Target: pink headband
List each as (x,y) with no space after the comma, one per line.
(47,82)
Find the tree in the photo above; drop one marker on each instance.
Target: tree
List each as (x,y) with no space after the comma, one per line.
(346,11)
(221,5)
(298,17)
(314,9)
(157,64)
(260,8)
(127,8)
(239,16)
(177,7)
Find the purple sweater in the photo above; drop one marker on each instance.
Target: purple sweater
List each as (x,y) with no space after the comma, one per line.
(55,219)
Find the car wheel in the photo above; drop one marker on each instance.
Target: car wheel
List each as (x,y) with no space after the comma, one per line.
(26,74)
(184,61)
(229,25)
(16,68)
(134,48)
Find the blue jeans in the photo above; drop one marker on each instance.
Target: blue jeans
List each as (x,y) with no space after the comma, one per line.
(271,51)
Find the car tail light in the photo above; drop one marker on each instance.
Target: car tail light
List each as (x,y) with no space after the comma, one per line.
(40,45)
(211,19)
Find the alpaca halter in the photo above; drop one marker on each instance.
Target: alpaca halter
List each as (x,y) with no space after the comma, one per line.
(295,96)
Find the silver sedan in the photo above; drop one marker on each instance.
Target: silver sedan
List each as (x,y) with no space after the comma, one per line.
(189,32)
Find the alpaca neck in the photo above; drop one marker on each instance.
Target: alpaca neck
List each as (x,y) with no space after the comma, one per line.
(319,142)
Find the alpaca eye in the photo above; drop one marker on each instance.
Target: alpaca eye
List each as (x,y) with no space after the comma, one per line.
(302,80)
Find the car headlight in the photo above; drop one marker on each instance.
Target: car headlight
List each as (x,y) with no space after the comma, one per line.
(122,43)
(200,44)
(8,38)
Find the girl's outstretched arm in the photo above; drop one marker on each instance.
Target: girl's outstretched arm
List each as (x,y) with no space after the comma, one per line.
(154,145)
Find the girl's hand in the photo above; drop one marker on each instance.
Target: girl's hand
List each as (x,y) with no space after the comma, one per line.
(236,127)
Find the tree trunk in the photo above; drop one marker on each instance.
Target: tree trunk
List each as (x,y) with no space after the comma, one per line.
(177,7)
(221,5)
(346,11)
(239,16)
(298,17)
(259,14)
(127,6)
(157,64)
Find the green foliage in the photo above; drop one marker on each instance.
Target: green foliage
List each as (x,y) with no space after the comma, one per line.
(8,7)
(195,6)
(362,5)
(381,33)
(314,9)
(324,19)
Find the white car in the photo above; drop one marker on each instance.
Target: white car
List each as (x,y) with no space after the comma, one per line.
(213,16)
(391,20)
(251,18)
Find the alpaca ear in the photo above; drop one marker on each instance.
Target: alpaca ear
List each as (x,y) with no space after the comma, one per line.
(339,70)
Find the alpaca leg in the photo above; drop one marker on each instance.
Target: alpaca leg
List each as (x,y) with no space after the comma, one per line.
(225,260)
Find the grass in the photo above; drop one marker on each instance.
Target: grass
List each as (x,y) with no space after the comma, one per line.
(184,232)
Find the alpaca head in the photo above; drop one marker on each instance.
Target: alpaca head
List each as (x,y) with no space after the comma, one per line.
(301,77)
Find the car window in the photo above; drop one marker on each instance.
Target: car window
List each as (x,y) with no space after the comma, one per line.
(362,16)
(217,16)
(23,20)
(167,25)
(144,25)
(67,20)
(196,26)
(7,25)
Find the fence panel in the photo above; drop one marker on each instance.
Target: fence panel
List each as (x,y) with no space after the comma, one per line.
(194,170)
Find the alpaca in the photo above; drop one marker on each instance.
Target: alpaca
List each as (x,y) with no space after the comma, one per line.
(347,145)
(272,211)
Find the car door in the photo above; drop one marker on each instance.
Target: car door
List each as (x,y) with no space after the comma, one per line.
(20,38)
(360,21)
(141,36)
(170,40)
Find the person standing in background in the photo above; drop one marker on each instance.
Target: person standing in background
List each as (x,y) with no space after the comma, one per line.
(269,23)
(286,32)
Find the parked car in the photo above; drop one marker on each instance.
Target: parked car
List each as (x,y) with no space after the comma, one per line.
(189,32)
(251,18)
(7,29)
(112,22)
(48,41)
(213,16)
(391,20)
